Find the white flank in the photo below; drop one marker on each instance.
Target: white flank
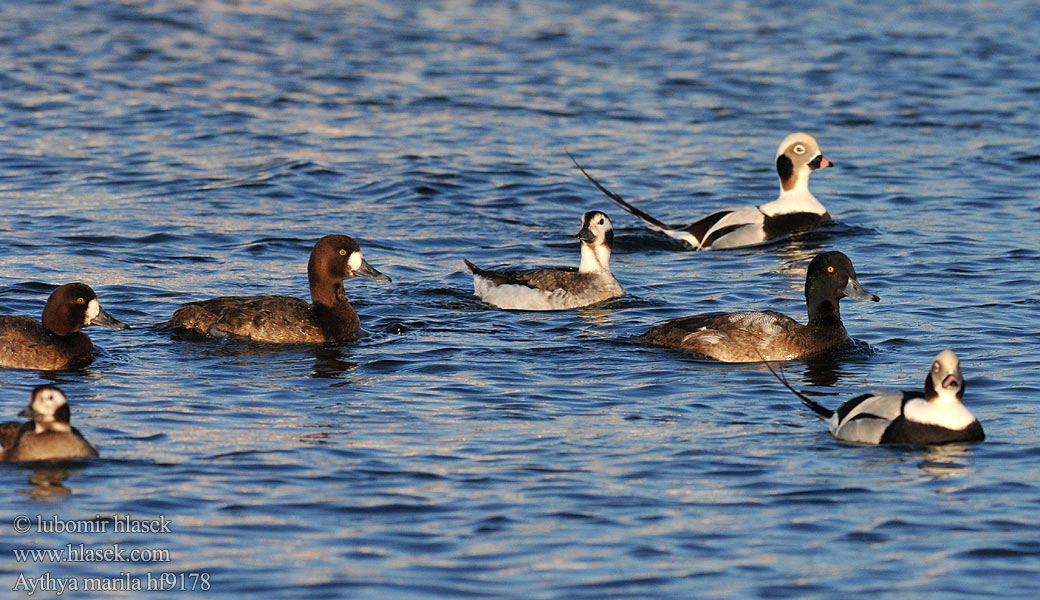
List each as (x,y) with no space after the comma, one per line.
(883,404)
(521,297)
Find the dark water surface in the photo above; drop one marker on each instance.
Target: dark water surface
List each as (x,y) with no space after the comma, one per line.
(164,152)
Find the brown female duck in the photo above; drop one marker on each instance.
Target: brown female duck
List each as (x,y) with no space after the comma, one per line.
(283,319)
(56,342)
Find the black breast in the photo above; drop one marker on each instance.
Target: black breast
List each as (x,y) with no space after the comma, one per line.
(790,223)
(902,431)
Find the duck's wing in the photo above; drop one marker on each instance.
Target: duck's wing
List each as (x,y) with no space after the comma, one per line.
(89,448)
(865,418)
(26,344)
(732,228)
(748,336)
(263,318)
(548,279)
(50,446)
(10,431)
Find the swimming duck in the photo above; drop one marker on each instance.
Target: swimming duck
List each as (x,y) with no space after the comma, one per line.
(769,335)
(283,319)
(48,436)
(794,211)
(555,289)
(937,416)
(56,342)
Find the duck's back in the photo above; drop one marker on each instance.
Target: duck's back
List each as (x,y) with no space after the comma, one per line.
(276,319)
(50,445)
(543,289)
(10,430)
(26,344)
(747,336)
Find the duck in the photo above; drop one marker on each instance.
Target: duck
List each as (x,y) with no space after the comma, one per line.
(556,288)
(55,342)
(48,434)
(284,319)
(751,336)
(936,416)
(795,210)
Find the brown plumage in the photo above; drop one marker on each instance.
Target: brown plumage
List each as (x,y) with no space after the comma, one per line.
(284,319)
(543,279)
(751,336)
(49,436)
(10,431)
(56,342)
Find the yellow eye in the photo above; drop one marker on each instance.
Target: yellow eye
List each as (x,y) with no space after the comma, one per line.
(80,300)
(342,252)
(830,269)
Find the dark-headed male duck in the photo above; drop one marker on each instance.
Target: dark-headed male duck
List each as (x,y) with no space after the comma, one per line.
(751,336)
(557,288)
(56,342)
(48,434)
(937,416)
(796,210)
(283,319)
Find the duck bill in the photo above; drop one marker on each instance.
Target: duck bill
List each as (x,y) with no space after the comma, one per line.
(28,413)
(106,320)
(951,381)
(855,291)
(368,272)
(820,162)
(586,235)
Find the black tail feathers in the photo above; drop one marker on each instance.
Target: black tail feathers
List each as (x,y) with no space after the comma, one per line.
(618,199)
(819,409)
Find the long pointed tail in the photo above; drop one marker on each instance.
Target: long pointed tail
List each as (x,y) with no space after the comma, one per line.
(819,409)
(652,221)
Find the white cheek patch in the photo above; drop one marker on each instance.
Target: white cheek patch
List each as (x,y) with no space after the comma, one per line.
(93,310)
(354,261)
(48,402)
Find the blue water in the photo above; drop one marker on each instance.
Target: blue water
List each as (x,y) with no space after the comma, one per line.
(165,151)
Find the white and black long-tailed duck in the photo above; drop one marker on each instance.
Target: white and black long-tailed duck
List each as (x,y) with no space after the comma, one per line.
(936,416)
(794,211)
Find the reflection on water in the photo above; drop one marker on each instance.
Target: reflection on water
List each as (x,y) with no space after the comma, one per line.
(948,460)
(47,481)
(330,362)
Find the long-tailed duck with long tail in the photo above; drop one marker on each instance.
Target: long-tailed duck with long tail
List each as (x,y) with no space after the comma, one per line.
(936,416)
(794,211)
